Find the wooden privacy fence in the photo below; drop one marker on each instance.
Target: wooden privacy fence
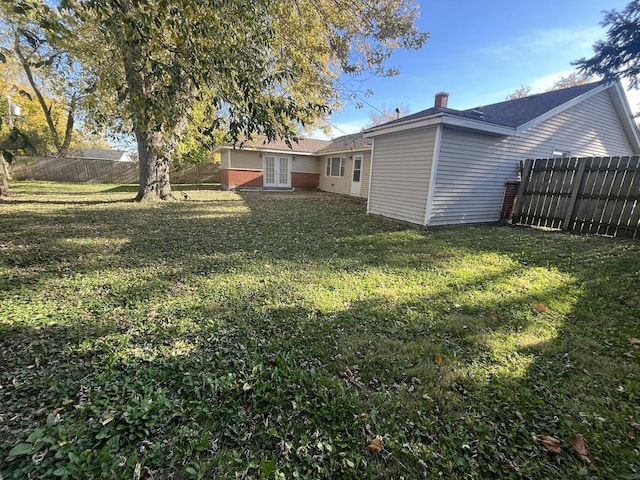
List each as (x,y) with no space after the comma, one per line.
(70,169)
(587,195)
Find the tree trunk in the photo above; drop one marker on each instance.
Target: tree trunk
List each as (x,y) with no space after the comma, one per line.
(154,168)
(4,178)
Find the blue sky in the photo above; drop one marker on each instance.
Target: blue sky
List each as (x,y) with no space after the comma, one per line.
(480,51)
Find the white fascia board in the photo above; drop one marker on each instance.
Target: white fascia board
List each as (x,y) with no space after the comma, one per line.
(443,119)
(621,104)
(401,127)
(561,108)
(478,125)
(340,152)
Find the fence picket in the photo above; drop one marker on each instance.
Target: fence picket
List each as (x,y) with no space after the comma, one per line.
(588,195)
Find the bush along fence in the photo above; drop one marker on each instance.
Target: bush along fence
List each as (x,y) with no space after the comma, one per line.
(70,169)
(598,195)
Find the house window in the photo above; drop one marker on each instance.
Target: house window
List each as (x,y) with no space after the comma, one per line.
(335,167)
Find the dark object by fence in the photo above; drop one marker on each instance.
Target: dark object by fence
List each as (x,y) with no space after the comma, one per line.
(508,203)
(598,195)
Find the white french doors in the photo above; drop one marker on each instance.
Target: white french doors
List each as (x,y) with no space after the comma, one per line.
(277,171)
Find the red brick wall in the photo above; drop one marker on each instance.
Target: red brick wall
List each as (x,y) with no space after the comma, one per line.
(510,194)
(240,178)
(254,179)
(224,178)
(305,180)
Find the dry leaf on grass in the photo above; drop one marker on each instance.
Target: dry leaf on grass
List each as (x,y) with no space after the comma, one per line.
(580,447)
(438,359)
(551,445)
(493,316)
(634,341)
(347,373)
(634,424)
(350,377)
(540,308)
(375,445)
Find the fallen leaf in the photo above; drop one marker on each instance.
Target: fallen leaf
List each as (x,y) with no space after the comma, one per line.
(493,316)
(347,373)
(634,424)
(580,447)
(551,445)
(540,308)
(634,341)
(438,359)
(446,310)
(375,445)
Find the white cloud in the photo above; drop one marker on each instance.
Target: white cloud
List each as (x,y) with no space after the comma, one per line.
(541,42)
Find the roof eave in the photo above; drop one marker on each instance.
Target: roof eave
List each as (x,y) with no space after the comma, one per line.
(264,150)
(621,104)
(444,119)
(365,148)
(561,108)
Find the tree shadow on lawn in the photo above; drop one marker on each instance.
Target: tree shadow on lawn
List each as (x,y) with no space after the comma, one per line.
(223,359)
(250,367)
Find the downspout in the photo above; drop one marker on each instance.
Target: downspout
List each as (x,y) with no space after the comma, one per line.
(373,145)
(432,179)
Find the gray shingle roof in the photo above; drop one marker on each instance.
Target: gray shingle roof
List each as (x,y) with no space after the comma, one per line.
(510,113)
(355,141)
(302,145)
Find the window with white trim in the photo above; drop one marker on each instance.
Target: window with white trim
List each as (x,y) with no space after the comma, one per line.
(335,167)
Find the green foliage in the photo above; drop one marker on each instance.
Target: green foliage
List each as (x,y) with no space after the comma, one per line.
(209,339)
(618,55)
(240,68)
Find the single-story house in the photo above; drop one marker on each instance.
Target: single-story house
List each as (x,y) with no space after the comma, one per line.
(100,154)
(340,166)
(444,166)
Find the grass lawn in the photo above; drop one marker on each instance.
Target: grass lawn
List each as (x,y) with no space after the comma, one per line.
(273,336)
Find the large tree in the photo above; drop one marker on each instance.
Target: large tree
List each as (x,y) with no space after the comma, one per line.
(269,66)
(619,55)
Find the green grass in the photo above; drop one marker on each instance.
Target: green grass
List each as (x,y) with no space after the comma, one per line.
(207,338)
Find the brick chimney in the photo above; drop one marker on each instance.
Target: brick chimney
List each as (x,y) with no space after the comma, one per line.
(441,100)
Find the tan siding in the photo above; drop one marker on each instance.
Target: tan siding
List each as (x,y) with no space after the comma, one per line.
(400,175)
(224,159)
(340,185)
(244,159)
(305,164)
(473,167)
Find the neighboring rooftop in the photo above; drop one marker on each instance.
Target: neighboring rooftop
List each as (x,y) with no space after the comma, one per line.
(99,154)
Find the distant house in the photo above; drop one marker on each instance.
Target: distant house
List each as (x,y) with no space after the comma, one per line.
(97,154)
(339,166)
(445,166)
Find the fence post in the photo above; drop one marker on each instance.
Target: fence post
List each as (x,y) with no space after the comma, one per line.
(524,182)
(575,188)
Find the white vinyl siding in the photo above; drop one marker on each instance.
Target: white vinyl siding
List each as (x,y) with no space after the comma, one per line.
(400,174)
(473,167)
